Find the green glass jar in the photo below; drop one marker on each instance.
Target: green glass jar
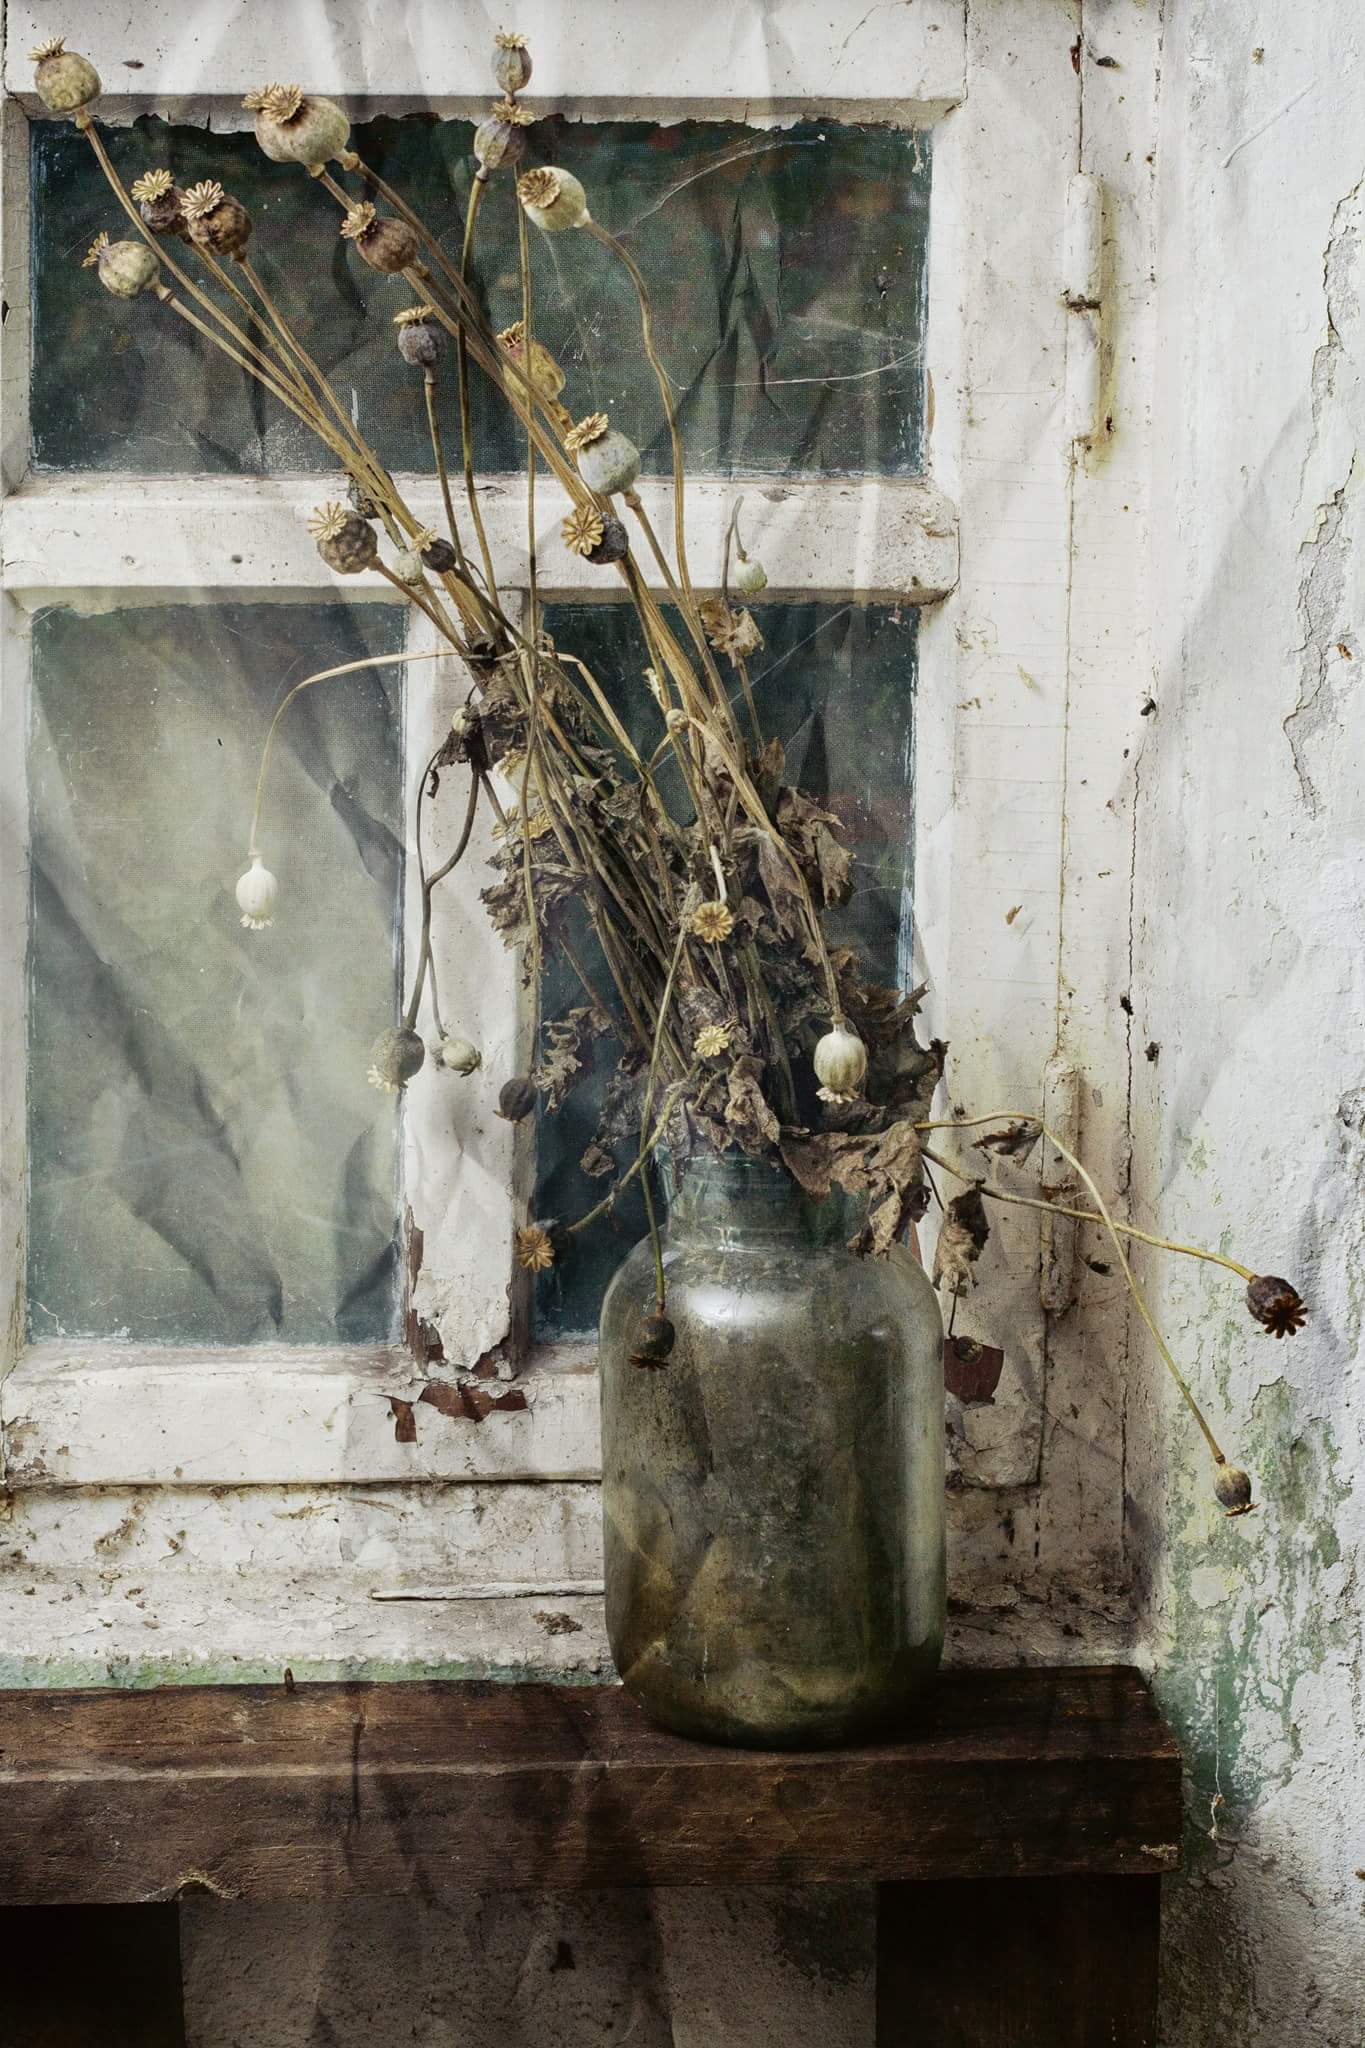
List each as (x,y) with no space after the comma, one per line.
(773,1493)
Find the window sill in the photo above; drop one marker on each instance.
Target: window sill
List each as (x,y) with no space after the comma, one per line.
(109,1415)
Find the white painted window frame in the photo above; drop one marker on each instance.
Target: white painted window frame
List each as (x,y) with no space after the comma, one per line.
(996,669)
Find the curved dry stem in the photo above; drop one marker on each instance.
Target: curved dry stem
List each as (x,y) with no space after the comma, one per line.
(1139,1299)
(323,675)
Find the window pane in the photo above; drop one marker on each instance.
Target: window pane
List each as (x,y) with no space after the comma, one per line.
(786,267)
(208,1164)
(836,684)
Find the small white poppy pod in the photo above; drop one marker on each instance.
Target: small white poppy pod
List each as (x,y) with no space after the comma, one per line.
(257,893)
(553,199)
(458,1055)
(607,461)
(750,576)
(840,1062)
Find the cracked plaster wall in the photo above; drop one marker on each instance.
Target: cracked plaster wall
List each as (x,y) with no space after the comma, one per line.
(1250,971)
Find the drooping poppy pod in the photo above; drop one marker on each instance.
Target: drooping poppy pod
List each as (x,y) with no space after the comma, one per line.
(750,576)
(1232,1489)
(840,1061)
(553,199)
(293,127)
(386,244)
(500,139)
(395,1057)
(64,82)
(161,204)
(419,338)
(607,461)
(457,1055)
(257,894)
(346,542)
(511,61)
(216,220)
(125,268)
(516,1098)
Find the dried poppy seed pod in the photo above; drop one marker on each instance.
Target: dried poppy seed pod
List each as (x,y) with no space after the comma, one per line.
(387,245)
(125,268)
(607,461)
(1232,1489)
(457,1055)
(1276,1305)
(161,204)
(407,566)
(440,556)
(346,542)
(840,1061)
(614,545)
(292,127)
(516,1098)
(500,139)
(553,199)
(64,81)
(395,1057)
(419,338)
(511,60)
(216,220)
(750,576)
(257,894)
(540,1245)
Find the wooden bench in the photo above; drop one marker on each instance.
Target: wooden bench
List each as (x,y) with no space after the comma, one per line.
(1017,1829)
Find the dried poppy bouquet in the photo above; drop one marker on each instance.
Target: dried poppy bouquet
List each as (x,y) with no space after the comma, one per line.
(704,875)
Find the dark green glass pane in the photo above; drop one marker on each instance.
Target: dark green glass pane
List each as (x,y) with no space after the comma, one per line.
(208,1165)
(786,268)
(836,684)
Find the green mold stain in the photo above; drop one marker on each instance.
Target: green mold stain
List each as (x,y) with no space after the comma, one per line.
(1219,1677)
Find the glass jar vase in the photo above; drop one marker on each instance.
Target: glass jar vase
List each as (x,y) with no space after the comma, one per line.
(773,1492)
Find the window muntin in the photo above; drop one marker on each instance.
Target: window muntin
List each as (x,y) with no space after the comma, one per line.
(207,1162)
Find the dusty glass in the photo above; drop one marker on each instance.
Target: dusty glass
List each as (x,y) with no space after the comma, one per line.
(207,1164)
(773,1492)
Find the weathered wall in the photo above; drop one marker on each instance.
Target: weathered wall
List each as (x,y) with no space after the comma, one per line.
(1249,973)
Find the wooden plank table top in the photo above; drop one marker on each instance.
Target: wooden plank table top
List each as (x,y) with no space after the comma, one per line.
(252,1792)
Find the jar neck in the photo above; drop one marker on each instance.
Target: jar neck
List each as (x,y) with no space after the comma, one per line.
(728,1200)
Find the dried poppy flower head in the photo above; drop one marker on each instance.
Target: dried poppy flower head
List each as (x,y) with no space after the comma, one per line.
(711,922)
(201,199)
(586,432)
(509,111)
(539,187)
(1276,1305)
(535,1249)
(358,220)
(92,254)
(151,186)
(583,530)
(422,539)
(712,1041)
(506,39)
(280,102)
(52,48)
(325,522)
(411,315)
